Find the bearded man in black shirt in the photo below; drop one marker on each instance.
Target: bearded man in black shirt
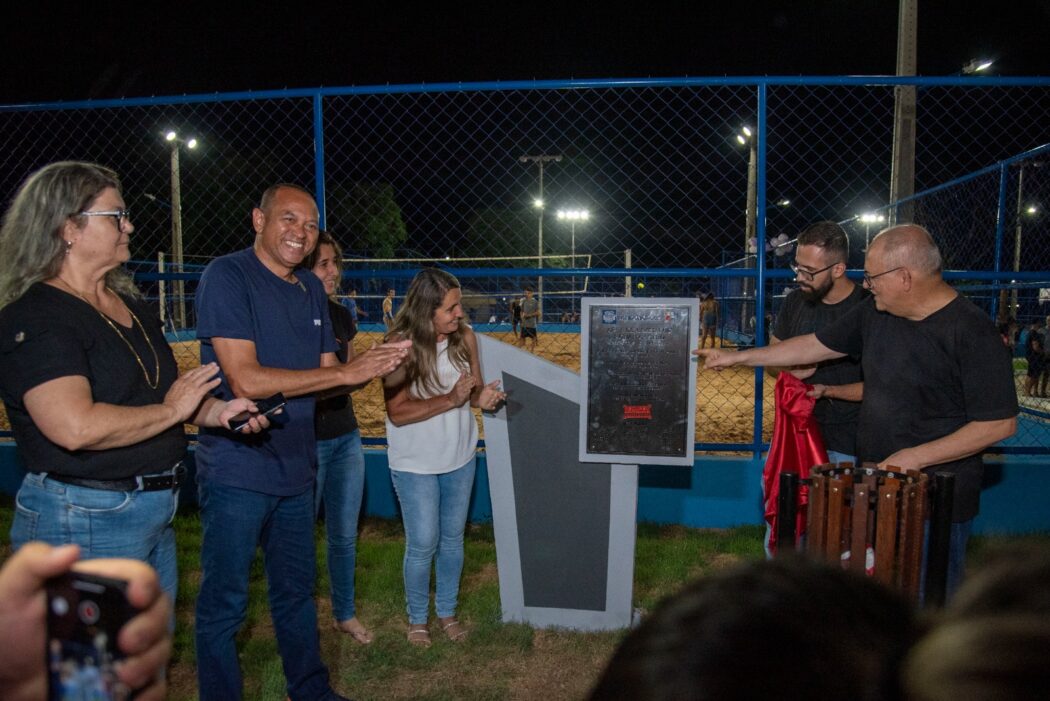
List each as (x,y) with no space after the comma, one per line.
(938,382)
(825,294)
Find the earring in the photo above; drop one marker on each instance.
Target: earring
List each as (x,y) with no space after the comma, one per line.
(69,245)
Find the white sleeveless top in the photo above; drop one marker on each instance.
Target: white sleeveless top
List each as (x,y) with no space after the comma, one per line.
(441,443)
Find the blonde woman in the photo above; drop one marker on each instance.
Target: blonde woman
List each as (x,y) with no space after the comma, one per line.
(432,437)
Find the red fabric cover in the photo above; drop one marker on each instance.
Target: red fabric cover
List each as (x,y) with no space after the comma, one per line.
(796,447)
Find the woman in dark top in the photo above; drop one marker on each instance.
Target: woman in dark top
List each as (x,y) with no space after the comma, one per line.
(340,459)
(90,384)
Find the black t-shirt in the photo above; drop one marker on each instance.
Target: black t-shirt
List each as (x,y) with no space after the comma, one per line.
(837,418)
(334,416)
(47,334)
(925,379)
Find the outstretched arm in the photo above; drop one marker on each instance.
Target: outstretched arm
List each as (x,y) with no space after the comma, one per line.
(248,378)
(801,350)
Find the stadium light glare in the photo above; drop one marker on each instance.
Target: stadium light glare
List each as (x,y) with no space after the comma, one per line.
(869,218)
(573,215)
(1032,209)
(977,65)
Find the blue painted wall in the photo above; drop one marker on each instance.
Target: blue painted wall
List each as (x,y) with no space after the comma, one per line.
(716,492)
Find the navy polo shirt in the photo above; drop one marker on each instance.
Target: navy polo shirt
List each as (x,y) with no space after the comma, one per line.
(239,298)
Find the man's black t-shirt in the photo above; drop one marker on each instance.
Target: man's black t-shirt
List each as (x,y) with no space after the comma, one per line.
(925,379)
(334,416)
(837,418)
(47,334)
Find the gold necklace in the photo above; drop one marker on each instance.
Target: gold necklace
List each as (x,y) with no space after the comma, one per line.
(156,361)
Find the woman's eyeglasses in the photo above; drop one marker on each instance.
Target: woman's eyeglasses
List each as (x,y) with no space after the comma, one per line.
(120,215)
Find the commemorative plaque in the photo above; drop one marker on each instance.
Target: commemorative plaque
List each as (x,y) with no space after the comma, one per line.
(638,389)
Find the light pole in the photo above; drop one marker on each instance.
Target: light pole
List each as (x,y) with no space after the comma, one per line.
(538,203)
(869,218)
(572,216)
(176,218)
(746,138)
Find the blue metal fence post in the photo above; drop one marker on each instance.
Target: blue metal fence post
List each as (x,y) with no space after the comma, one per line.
(760,267)
(319,158)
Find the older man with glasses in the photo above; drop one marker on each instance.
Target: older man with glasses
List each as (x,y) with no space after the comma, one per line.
(938,382)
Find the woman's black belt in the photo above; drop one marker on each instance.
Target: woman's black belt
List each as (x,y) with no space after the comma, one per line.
(141,483)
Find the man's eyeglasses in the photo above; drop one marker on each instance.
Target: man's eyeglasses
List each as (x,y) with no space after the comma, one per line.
(120,215)
(868,278)
(804,274)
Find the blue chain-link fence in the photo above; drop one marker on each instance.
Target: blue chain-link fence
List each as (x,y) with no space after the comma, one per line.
(680,200)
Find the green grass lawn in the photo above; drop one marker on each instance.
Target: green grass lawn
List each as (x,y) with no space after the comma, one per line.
(499,661)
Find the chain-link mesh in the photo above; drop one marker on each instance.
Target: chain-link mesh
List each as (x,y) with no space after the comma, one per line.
(410,175)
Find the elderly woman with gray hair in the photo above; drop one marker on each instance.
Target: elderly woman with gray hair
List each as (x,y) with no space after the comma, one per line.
(90,384)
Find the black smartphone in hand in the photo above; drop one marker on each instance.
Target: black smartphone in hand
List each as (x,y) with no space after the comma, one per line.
(265,407)
(84,614)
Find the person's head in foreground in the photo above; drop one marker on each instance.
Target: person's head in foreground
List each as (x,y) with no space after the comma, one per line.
(993,640)
(784,629)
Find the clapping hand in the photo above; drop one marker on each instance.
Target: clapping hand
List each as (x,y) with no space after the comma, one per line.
(462,389)
(491,396)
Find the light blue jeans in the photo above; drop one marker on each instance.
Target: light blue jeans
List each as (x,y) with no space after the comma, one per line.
(340,486)
(434,509)
(103,523)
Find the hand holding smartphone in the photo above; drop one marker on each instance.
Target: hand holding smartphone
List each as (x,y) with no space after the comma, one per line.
(84,614)
(264,407)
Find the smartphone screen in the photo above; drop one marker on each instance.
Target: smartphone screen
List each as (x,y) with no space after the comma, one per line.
(84,614)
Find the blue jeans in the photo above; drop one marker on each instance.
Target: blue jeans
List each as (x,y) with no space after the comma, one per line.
(434,510)
(103,523)
(234,522)
(340,485)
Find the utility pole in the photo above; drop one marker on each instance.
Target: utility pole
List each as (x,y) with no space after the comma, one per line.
(176,221)
(902,174)
(540,160)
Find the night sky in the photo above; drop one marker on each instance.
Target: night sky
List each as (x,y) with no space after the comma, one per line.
(81,51)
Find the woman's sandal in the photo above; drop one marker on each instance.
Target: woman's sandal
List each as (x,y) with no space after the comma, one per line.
(355,630)
(453,629)
(419,635)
